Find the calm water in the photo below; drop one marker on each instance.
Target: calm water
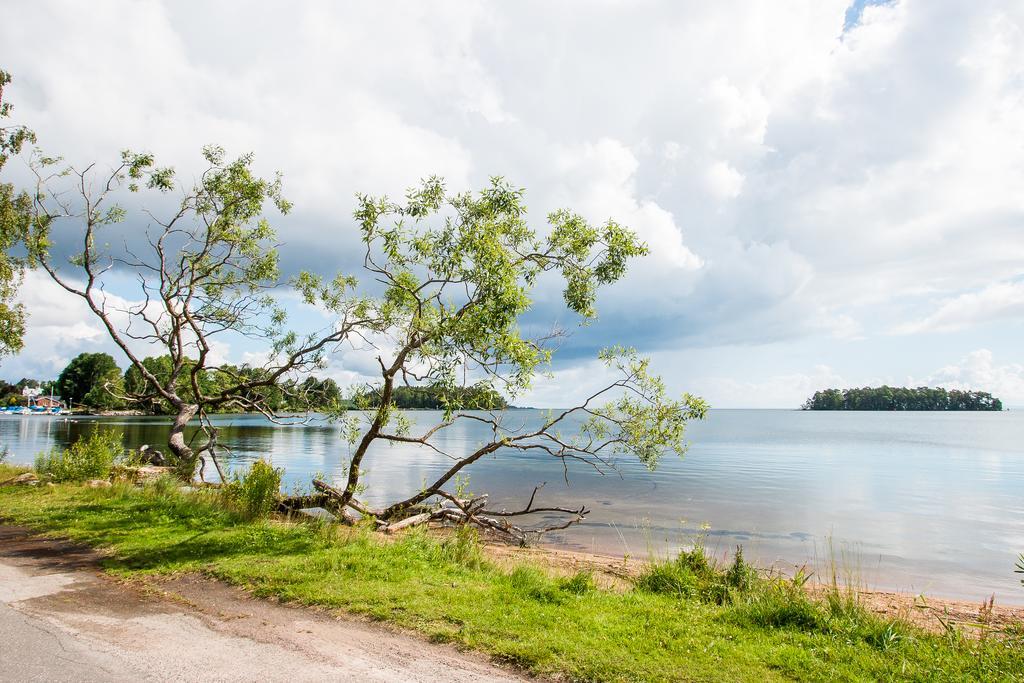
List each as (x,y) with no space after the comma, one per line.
(920,502)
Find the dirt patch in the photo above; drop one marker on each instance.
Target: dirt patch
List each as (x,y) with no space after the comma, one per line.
(191,627)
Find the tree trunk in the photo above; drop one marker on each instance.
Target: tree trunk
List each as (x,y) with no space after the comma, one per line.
(184,458)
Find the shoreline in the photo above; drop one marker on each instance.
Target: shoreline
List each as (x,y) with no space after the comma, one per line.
(561,614)
(617,572)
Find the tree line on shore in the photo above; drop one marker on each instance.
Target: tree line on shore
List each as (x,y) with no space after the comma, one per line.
(94,381)
(901,398)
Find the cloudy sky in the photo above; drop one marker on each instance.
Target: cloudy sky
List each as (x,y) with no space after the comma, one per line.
(833,193)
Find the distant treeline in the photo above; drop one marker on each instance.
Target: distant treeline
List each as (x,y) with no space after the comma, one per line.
(901,398)
(436,397)
(94,381)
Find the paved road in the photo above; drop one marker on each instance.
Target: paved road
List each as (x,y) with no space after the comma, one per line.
(62,620)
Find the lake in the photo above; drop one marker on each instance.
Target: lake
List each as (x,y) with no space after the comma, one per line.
(920,502)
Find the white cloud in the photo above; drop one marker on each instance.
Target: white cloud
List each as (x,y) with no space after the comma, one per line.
(978,371)
(59,327)
(995,302)
(724,181)
(778,391)
(792,180)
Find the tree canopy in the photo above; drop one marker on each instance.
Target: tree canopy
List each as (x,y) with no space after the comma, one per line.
(457,272)
(15,217)
(87,375)
(901,398)
(207,268)
(437,397)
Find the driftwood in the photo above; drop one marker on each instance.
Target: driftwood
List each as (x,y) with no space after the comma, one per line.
(24,479)
(293,503)
(321,499)
(408,522)
(451,511)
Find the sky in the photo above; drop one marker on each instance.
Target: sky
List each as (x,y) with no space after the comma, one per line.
(833,193)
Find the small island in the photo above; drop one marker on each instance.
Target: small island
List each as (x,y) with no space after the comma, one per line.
(435,397)
(901,398)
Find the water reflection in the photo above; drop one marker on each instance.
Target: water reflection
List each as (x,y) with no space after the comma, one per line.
(930,502)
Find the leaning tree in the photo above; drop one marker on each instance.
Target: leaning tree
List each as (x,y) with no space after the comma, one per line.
(205,268)
(455,274)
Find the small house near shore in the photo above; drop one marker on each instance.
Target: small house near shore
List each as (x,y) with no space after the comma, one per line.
(46,402)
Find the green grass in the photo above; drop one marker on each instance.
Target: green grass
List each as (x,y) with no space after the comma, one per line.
(563,626)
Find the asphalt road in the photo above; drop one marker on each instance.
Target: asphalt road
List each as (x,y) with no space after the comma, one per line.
(61,619)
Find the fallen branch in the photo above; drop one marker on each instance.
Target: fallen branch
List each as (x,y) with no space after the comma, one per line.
(529,509)
(339,498)
(408,522)
(292,503)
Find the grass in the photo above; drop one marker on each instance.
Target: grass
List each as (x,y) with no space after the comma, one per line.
(684,622)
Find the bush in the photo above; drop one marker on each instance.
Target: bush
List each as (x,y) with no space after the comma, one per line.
(781,604)
(530,582)
(255,493)
(87,458)
(579,583)
(463,547)
(672,578)
(694,575)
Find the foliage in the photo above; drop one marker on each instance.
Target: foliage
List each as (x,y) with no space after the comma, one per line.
(207,268)
(458,273)
(692,574)
(87,375)
(901,398)
(107,393)
(311,393)
(256,492)
(15,217)
(89,457)
(541,622)
(11,394)
(437,397)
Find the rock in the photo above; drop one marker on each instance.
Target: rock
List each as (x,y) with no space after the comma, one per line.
(140,475)
(98,484)
(150,472)
(318,514)
(24,479)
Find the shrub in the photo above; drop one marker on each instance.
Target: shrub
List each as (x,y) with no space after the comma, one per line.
(255,493)
(692,574)
(740,575)
(532,583)
(781,604)
(579,583)
(672,577)
(88,458)
(463,547)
